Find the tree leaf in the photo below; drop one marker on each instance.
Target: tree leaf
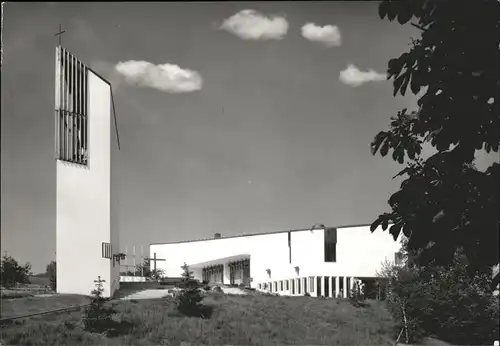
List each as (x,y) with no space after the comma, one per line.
(385,224)
(414,85)
(404,85)
(375,224)
(395,230)
(377,141)
(405,13)
(385,147)
(382,9)
(397,83)
(392,10)
(406,230)
(403,172)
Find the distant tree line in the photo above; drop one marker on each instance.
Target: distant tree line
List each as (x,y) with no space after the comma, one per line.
(12,273)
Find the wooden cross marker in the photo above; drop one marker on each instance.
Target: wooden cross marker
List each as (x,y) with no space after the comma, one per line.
(59,34)
(154,259)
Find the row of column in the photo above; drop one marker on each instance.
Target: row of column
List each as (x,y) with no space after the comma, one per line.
(333,283)
(325,286)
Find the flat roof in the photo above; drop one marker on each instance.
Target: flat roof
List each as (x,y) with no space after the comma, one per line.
(254,234)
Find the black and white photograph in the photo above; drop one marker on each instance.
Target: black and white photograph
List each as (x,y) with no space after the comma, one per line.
(250,173)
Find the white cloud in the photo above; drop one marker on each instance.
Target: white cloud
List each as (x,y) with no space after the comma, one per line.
(354,77)
(164,77)
(252,25)
(329,35)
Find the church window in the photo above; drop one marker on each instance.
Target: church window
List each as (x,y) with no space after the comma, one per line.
(331,245)
(71,109)
(106,250)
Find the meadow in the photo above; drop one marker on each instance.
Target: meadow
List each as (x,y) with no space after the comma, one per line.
(231,319)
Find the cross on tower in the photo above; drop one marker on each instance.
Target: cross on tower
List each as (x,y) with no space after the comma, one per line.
(154,259)
(59,34)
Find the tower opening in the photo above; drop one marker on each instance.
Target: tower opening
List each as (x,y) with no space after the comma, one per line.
(71,108)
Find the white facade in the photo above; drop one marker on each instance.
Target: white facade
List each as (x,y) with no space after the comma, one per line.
(86,203)
(359,254)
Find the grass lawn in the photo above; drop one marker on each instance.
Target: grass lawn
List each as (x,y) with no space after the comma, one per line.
(27,305)
(243,320)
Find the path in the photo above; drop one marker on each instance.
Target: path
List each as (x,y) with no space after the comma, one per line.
(148,294)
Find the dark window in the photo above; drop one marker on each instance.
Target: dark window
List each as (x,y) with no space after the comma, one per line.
(311,284)
(334,285)
(348,288)
(281,285)
(290,246)
(318,285)
(293,286)
(331,245)
(287,285)
(304,284)
(341,286)
(299,288)
(327,286)
(71,110)
(106,250)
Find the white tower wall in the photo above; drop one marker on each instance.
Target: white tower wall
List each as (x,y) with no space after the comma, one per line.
(86,215)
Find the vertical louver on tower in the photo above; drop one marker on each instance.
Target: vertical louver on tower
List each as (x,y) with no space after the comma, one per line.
(71,109)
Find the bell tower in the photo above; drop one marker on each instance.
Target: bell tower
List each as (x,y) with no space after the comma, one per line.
(87,234)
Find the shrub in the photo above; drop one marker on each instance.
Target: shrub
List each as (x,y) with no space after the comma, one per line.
(446,302)
(217,289)
(157,274)
(356,296)
(98,316)
(189,300)
(461,308)
(12,273)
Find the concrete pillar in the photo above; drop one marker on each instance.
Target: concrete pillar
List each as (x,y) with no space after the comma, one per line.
(322,285)
(336,287)
(345,286)
(352,284)
(226,278)
(331,292)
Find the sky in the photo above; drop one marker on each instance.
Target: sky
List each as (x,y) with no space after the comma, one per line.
(234,118)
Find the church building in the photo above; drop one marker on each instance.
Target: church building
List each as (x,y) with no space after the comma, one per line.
(321,261)
(85,145)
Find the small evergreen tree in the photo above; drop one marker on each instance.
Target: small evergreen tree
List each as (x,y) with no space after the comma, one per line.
(98,316)
(189,300)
